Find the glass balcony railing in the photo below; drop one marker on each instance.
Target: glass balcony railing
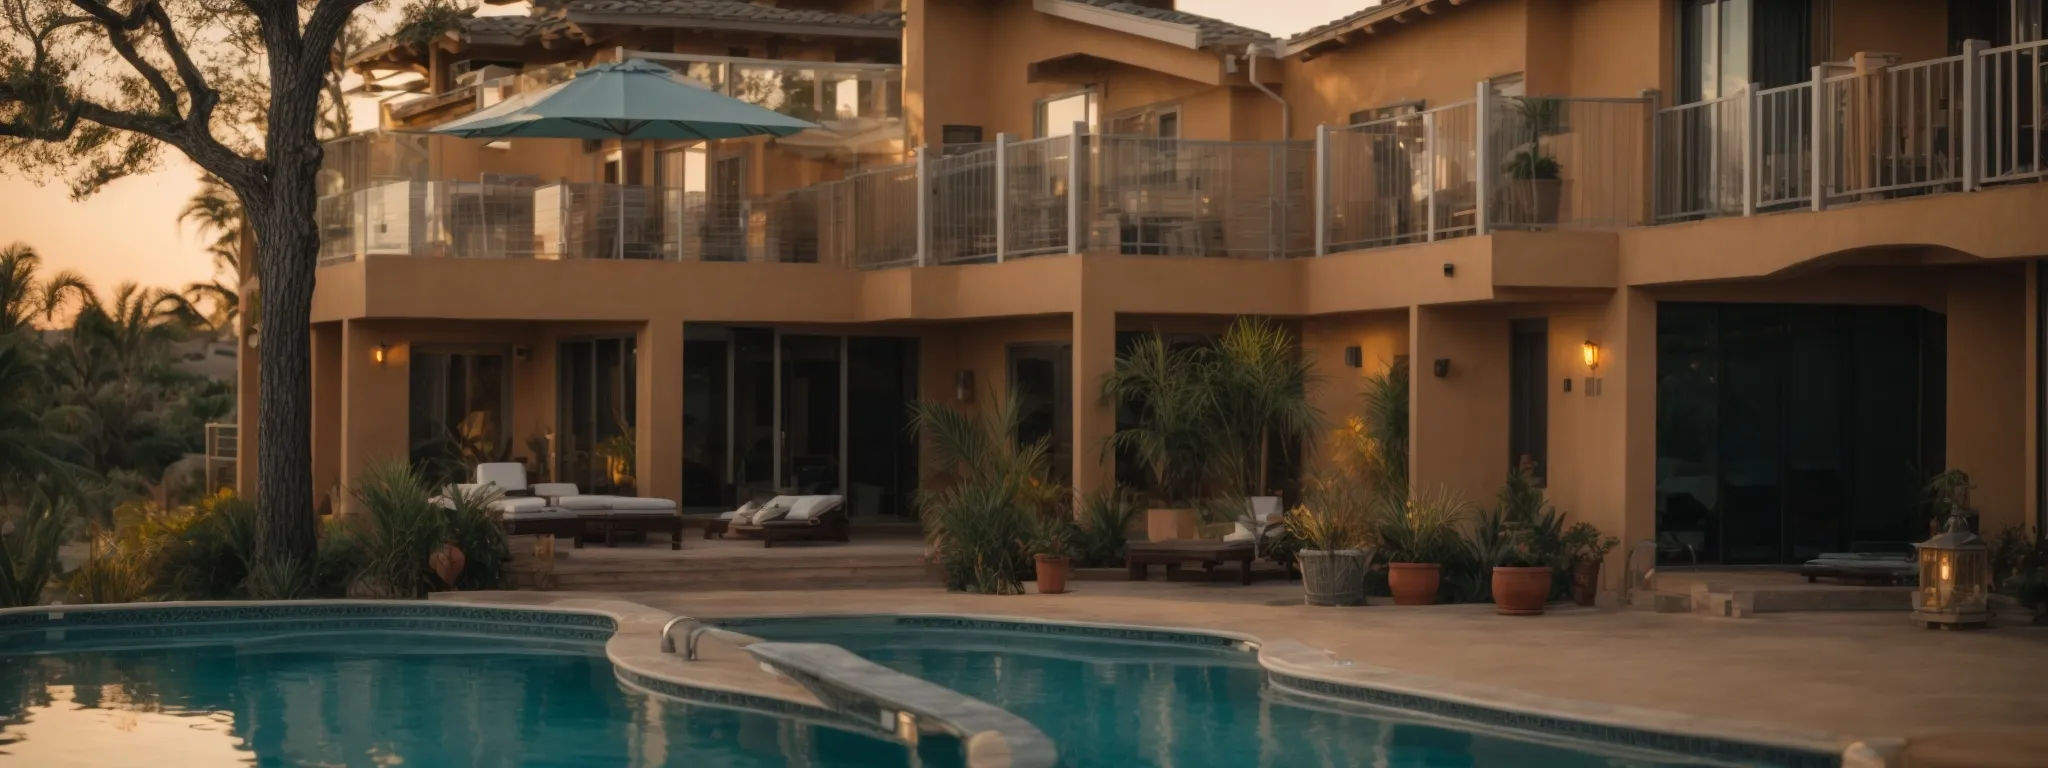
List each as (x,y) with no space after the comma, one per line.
(1874,130)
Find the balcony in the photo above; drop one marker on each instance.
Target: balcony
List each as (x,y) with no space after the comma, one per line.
(1486,164)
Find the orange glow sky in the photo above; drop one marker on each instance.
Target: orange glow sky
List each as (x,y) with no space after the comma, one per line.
(129,231)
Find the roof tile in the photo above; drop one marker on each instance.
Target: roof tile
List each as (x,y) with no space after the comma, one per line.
(1213,31)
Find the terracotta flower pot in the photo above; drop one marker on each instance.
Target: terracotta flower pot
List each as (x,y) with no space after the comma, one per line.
(446,562)
(1520,591)
(1052,574)
(1585,582)
(1414,583)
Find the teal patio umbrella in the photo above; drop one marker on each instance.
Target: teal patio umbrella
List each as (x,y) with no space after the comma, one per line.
(631,99)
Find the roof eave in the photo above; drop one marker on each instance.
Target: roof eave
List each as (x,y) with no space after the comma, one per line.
(582,18)
(1184,35)
(1366,23)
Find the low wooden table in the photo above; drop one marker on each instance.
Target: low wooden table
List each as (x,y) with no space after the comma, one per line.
(1141,555)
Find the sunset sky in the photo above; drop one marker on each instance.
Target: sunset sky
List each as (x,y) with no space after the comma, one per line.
(129,231)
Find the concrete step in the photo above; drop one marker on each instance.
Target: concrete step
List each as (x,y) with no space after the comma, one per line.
(773,576)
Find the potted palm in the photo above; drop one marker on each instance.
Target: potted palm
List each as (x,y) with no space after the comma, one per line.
(1419,533)
(1166,397)
(1052,553)
(1335,534)
(1535,183)
(1586,548)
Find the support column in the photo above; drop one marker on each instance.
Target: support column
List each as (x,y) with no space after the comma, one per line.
(1607,474)
(658,420)
(1094,423)
(376,403)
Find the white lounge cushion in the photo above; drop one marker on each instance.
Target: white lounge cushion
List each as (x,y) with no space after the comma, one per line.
(642,505)
(742,515)
(543,513)
(1266,509)
(585,503)
(1239,535)
(808,507)
(520,505)
(555,490)
(770,513)
(508,475)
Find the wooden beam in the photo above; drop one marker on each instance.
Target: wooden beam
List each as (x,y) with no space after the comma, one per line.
(1402,18)
(1428,7)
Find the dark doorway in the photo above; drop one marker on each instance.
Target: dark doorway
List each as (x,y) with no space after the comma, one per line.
(1787,430)
(1042,381)
(1529,395)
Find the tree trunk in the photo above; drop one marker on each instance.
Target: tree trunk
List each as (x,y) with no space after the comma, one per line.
(287,249)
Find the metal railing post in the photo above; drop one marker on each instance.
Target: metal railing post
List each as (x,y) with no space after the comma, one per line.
(1323,189)
(924,205)
(1483,151)
(1002,195)
(1752,122)
(1076,229)
(1654,179)
(1973,75)
(1430,157)
(1821,126)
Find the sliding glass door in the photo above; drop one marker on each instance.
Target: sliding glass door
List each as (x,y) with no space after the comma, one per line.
(594,444)
(1042,381)
(460,410)
(769,413)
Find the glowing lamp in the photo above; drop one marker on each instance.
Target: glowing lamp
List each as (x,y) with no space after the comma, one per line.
(1592,353)
(1955,579)
(379,353)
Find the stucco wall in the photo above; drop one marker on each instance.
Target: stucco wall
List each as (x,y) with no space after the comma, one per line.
(1987,362)
(1461,45)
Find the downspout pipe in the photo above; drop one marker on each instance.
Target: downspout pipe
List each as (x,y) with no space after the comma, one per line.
(1286,134)
(1286,112)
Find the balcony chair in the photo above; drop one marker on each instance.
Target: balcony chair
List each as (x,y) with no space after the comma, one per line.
(612,514)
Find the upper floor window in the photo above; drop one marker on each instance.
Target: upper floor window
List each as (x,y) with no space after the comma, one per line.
(1158,121)
(1056,115)
(1388,112)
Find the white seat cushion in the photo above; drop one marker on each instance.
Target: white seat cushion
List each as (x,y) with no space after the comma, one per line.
(642,505)
(554,490)
(508,475)
(520,505)
(543,513)
(1239,535)
(585,503)
(770,513)
(743,515)
(807,507)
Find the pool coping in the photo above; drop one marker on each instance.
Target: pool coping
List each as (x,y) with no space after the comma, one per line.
(1300,669)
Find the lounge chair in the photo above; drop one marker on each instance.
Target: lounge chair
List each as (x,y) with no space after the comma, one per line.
(520,513)
(648,516)
(807,518)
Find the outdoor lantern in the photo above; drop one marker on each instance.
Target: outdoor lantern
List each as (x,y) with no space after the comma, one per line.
(378,353)
(1955,579)
(1592,352)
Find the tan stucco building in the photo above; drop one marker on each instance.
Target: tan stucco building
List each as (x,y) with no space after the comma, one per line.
(1486,188)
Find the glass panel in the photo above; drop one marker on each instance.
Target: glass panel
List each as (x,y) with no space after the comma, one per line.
(1688,415)
(1816,392)
(595,443)
(1752,431)
(881,385)
(1042,382)
(753,412)
(705,426)
(425,423)
(810,413)
(1734,58)
(726,210)
(457,413)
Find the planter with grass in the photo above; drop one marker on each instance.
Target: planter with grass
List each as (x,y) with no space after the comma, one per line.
(1052,554)
(1586,548)
(1419,535)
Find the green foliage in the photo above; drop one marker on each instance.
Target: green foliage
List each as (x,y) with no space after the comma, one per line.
(1582,543)
(30,535)
(1522,530)
(1946,497)
(209,549)
(1099,539)
(1207,418)
(1052,537)
(398,529)
(1534,119)
(979,513)
(1529,165)
(2011,548)
(1336,514)
(424,22)
(1422,527)
(1385,424)
(471,524)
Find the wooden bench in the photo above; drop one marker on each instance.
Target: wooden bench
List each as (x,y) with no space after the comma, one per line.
(1141,555)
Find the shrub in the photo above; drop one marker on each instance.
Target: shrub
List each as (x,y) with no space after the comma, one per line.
(1423,527)
(978,515)
(30,536)
(1099,539)
(207,549)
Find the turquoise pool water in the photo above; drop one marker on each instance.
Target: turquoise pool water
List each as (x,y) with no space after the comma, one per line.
(377,698)
(1115,703)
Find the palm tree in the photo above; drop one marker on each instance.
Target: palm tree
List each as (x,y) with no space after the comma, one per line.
(996,492)
(25,296)
(215,210)
(1261,401)
(1171,392)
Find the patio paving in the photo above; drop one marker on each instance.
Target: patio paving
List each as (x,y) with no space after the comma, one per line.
(1865,675)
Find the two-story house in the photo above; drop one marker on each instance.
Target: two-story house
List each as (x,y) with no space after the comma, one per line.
(1734,274)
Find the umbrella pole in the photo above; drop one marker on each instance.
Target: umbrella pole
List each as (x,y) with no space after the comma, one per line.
(623,157)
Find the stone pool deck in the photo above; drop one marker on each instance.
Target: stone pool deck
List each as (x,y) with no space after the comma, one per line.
(1853,675)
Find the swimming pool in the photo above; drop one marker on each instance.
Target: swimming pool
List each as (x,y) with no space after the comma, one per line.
(322,692)
(1198,701)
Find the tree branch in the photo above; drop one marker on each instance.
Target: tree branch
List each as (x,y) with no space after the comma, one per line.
(328,21)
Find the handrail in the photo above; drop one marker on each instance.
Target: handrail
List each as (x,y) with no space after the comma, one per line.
(668,642)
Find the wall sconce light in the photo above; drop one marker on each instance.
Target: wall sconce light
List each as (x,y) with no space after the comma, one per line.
(1450,270)
(1442,367)
(519,354)
(963,386)
(1354,357)
(1592,353)
(379,353)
